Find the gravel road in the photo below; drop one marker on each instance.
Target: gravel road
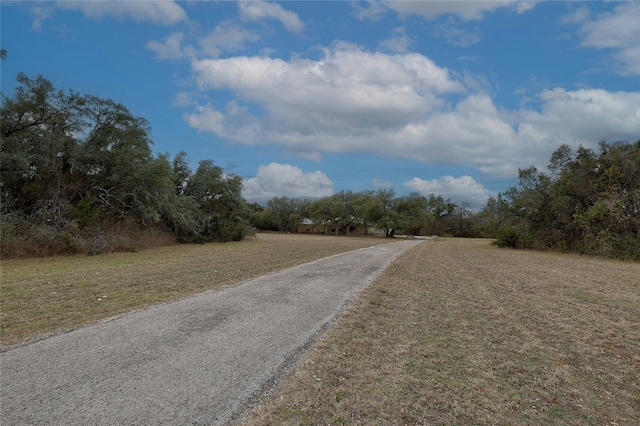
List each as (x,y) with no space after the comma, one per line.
(198,361)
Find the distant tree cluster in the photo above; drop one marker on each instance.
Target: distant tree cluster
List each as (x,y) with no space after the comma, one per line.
(588,202)
(366,212)
(74,168)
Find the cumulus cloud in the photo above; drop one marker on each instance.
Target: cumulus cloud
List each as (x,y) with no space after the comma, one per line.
(171,47)
(277,180)
(259,10)
(460,190)
(578,117)
(159,12)
(398,42)
(235,123)
(40,13)
(225,37)
(402,106)
(346,91)
(184,99)
(371,10)
(577,16)
(467,10)
(455,35)
(618,30)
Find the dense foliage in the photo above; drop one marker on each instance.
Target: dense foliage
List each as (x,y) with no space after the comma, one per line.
(78,174)
(588,202)
(366,212)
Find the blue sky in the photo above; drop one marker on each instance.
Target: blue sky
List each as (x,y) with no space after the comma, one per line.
(307,98)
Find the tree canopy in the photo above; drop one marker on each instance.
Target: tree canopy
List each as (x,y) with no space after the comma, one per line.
(363,213)
(72,164)
(588,202)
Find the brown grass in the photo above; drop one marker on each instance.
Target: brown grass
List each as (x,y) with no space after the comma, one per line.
(57,293)
(460,332)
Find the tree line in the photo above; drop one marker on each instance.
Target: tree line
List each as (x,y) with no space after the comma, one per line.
(78,170)
(588,202)
(363,213)
(78,174)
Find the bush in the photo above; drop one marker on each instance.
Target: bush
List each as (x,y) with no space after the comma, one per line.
(507,237)
(26,237)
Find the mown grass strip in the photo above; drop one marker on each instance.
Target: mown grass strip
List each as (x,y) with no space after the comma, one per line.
(459,332)
(52,294)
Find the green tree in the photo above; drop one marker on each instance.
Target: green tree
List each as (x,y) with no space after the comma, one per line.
(260,218)
(367,209)
(70,162)
(117,162)
(38,148)
(181,172)
(464,221)
(388,218)
(223,210)
(180,212)
(321,213)
(413,214)
(287,213)
(589,203)
(441,211)
(342,207)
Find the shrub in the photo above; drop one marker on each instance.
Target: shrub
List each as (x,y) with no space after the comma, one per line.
(22,237)
(507,237)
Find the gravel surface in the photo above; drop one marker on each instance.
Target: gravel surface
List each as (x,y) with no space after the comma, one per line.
(199,361)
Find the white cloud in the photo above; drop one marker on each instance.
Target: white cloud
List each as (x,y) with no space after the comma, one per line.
(381,183)
(402,106)
(455,35)
(461,189)
(277,180)
(160,12)
(523,6)
(474,133)
(371,10)
(184,99)
(258,10)
(467,10)
(234,124)
(578,16)
(227,37)
(618,30)
(581,117)
(207,119)
(398,42)
(347,90)
(171,47)
(40,13)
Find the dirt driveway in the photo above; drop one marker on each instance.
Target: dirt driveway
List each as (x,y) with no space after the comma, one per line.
(200,360)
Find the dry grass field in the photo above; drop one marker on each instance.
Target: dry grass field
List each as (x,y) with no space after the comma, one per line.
(460,332)
(453,332)
(46,295)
